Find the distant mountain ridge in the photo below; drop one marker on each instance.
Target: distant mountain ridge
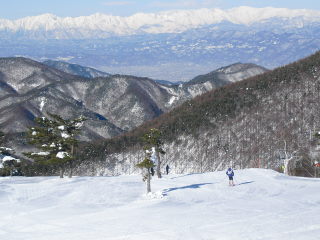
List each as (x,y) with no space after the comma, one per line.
(36,89)
(177,92)
(82,71)
(231,73)
(182,44)
(112,104)
(101,25)
(76,69)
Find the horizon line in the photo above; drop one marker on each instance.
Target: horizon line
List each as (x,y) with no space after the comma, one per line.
(159,12)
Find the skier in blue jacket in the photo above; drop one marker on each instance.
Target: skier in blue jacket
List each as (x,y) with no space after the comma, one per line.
(230,174)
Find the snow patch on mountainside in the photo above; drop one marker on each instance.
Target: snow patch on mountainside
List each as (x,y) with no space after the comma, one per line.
(172,99)
(43,102)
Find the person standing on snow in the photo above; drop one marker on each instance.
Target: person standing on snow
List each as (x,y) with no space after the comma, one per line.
(167,169)
(230,174)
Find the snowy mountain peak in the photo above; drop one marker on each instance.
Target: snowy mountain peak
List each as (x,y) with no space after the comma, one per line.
(102,25)
(249,15)
(46,21)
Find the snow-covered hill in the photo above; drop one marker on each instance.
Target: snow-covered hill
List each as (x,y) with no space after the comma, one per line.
(263,205)
(101,25)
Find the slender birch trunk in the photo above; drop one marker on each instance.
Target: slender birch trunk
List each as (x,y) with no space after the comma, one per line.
(148,181)
(61,172)
(70,163)
(158,165)
(70,169)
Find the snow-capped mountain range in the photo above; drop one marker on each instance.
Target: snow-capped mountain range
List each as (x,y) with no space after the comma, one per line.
(182,44)
(101,25)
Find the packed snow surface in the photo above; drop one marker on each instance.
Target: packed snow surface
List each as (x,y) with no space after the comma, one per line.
(263,205)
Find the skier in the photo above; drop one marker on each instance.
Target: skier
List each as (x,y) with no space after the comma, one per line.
(230,174)
(152,171)
(167,169)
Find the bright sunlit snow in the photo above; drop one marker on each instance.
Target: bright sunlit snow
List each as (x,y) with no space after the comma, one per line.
(9,158)
(62,155)
(263,205)
(163,22)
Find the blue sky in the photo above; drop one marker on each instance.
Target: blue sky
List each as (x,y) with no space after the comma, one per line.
(13,9)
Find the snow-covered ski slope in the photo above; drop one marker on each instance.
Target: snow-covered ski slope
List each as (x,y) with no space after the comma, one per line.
(263,205)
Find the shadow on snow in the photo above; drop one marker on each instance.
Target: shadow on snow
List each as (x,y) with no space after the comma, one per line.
(185,175)
(245,183)
(192,186)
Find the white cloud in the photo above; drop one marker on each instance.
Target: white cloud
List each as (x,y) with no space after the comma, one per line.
(186,4)
(116,3)
(179,4)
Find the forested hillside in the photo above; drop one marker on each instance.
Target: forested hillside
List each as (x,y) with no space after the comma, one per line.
(112,105)
(252,123)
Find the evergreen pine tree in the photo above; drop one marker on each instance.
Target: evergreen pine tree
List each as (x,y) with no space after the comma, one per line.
(9,164)
(55,138)
(146,165)
(69,130)
(317,162)
(152,140)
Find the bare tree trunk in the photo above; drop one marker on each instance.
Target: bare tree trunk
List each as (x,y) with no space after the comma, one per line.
(70,163)
(288,158)
(286,166)
(70,170)
(61,172)
(148,181)
(158,165)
